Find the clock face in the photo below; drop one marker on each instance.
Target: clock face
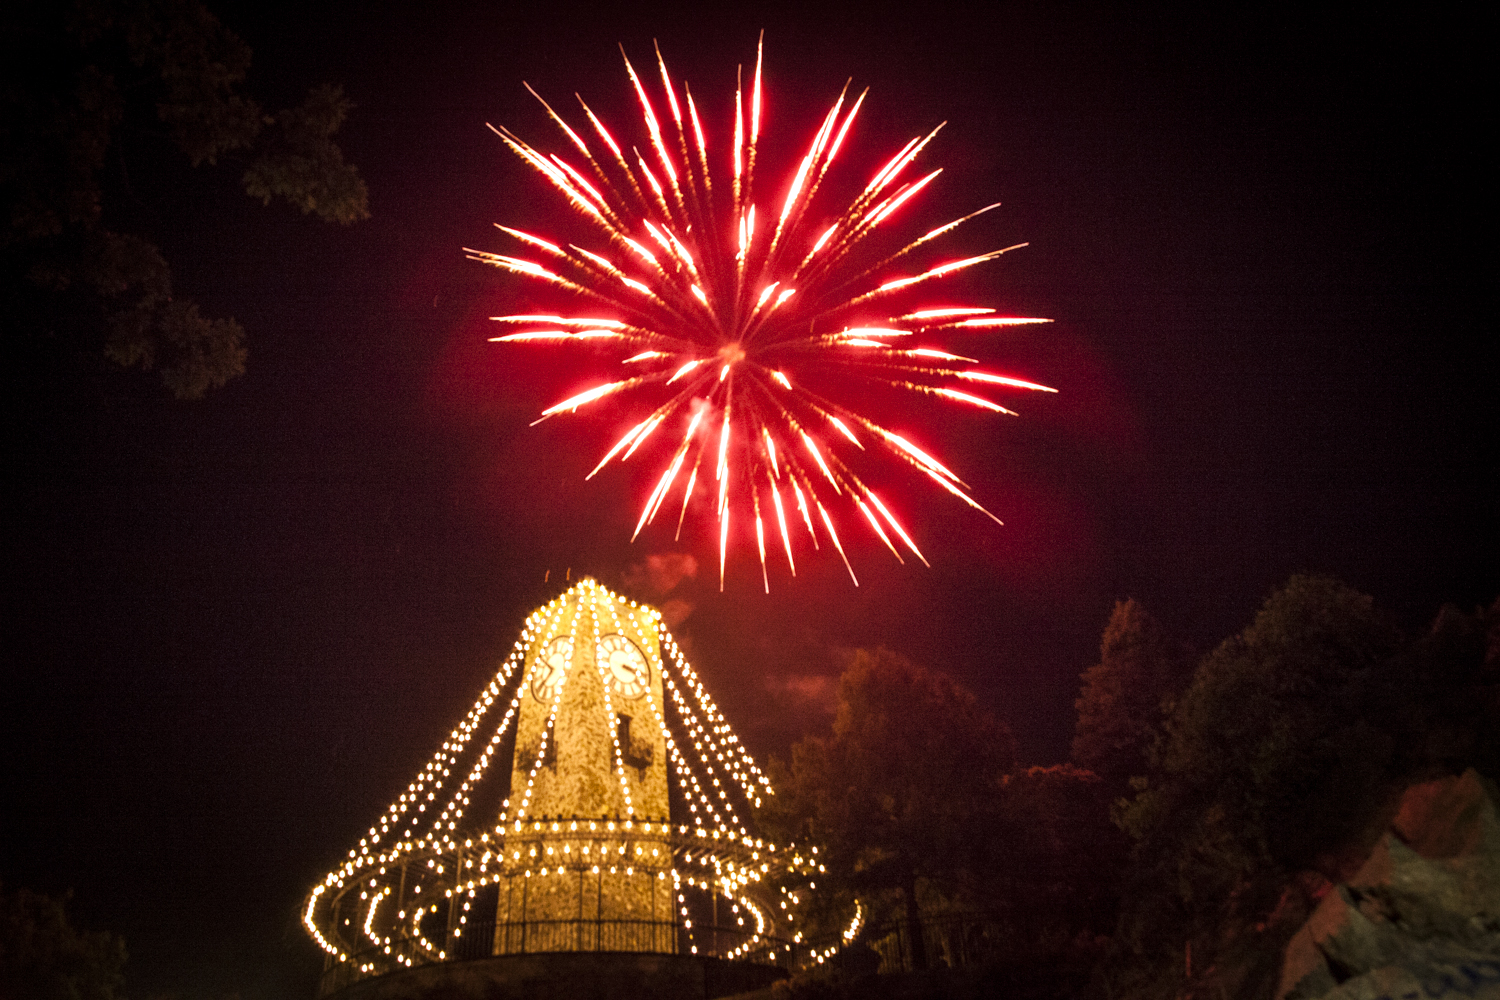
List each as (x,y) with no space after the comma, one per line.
(551,669)
(624,666)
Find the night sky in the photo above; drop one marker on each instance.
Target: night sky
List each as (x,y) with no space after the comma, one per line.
(235,628)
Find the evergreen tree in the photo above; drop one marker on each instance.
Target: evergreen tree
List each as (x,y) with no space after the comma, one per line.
(1123,696)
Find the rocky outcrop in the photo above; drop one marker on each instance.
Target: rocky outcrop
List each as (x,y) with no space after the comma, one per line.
(1421,918)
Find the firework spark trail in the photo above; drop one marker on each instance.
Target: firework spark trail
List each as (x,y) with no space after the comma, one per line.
(719,315)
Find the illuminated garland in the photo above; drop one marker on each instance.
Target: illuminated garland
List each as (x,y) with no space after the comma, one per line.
(382,909)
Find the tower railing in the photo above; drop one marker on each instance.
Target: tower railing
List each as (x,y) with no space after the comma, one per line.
(490,939)
(950,940)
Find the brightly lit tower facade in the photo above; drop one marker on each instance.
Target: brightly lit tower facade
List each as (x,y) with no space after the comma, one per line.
(624,827)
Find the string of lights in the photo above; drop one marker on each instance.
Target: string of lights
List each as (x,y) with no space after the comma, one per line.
(410,892)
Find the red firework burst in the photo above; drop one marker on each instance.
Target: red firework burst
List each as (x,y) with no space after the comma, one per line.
(721,309)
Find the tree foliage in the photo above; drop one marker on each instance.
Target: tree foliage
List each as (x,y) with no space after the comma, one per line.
(898,791)
(1258,778)
(1271,720)
(94,86)
(1123,697)
(43,957)
(1283,722)
(1277,768)
(1454,723)
(920,812)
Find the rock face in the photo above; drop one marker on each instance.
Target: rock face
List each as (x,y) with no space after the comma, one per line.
(1422,917)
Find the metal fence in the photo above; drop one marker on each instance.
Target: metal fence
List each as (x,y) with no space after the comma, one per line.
(584,935)
(487,938)
(952,940)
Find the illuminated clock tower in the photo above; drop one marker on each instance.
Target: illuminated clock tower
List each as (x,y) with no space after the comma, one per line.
(588,743)
(590,762)
(581,878)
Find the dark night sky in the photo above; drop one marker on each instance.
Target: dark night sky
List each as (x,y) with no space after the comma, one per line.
(234,628)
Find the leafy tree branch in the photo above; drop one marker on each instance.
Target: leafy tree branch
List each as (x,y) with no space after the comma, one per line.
(80,81)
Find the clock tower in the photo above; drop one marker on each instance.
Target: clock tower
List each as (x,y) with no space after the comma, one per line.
(587,882)
(588,741)
(591,756)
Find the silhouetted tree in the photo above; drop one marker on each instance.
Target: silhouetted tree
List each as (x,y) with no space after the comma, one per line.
(43,957)
(1447,691)
(89,88)
(901,789)
(1123,697)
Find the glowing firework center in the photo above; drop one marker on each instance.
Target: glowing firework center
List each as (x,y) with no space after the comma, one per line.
(624,829)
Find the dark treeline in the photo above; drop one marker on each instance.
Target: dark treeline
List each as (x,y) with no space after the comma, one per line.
(1211,800)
